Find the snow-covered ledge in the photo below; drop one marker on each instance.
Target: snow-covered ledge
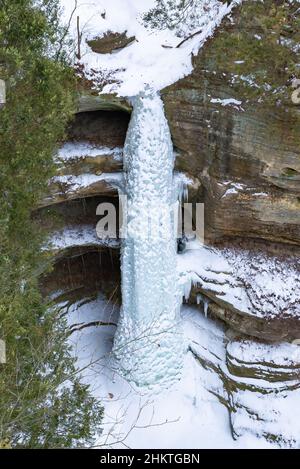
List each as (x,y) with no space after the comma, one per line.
(71,151)
(69,186)
(247,283)
(78,236)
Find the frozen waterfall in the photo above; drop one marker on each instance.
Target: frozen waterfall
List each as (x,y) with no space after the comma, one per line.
(148,343)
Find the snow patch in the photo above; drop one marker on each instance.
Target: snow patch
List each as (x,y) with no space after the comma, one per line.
(153,58)
(227,102)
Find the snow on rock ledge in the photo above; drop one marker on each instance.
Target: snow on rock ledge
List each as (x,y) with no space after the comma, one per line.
(76,236)
(69,186)
(83,157)
(245,283)
(80,150)
(273,362)
(263,397)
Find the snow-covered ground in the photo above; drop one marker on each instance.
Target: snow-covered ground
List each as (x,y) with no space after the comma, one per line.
(185,416)
(153,58)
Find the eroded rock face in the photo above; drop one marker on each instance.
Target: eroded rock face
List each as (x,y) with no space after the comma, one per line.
(273,330)
(257,382)
(247,155)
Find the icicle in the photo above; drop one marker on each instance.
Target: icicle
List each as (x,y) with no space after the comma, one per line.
(186,193)
(187,289)
(205,302)
(181,182)
(205,306)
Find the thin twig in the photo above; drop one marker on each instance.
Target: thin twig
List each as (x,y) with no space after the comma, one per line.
(189,37)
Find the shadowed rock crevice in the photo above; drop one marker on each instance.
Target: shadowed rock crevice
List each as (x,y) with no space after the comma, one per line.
(107,128)
(82,275)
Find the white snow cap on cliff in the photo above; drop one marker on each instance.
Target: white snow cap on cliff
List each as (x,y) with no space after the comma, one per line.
(154,57)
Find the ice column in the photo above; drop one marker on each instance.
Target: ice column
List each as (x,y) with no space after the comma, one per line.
(148,343)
